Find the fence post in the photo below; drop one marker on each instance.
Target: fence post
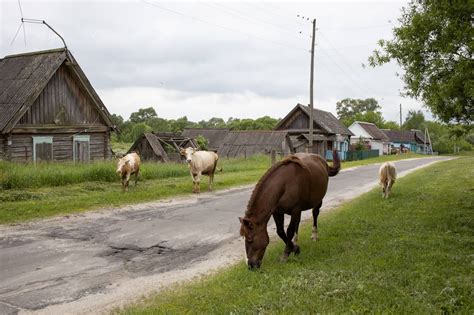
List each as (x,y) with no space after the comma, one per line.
(273,156)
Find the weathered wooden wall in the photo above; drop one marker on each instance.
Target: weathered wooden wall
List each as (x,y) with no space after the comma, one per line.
(62,102)
(22,147)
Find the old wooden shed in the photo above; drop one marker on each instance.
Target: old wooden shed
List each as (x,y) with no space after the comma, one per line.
(50,111)
(214,136)
(161,146)
(246,143)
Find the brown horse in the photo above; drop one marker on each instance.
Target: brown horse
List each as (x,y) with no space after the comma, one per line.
(295,184)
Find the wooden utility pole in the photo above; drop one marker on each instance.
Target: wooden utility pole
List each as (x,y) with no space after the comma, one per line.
(310,143)
(400,117)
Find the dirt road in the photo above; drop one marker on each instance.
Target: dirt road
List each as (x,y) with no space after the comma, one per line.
(90,262)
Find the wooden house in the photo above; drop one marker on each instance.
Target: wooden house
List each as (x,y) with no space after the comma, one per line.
(50,111)
(246,143)
(328,132)
(412,140)
(371,136)
(161,147)
(214,136)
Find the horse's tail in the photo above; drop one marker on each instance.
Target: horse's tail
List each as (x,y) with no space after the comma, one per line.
(336,164)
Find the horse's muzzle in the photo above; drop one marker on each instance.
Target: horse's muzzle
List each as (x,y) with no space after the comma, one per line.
(254,264)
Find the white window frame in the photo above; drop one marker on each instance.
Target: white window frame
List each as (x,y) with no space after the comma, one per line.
(42,139)
(81,138)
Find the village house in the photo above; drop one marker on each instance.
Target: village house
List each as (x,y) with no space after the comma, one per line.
(328,134)
(371,136)
(412,140)
(49,110)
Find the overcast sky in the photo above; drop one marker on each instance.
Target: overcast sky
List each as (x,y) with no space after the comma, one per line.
(242,59)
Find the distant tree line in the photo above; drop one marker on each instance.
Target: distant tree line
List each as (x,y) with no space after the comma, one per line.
(445,138)
(147,120)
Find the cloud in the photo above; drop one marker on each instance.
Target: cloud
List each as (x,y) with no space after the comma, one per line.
(204,59)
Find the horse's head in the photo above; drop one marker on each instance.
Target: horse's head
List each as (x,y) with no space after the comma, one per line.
(122,165)
(256,241)
(188,153)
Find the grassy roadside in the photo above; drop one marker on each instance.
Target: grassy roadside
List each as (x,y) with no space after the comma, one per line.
(412,253)
(34,192)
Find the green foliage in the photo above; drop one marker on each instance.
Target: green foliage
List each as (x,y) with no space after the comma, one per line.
(202,143)
(433,44)
(390,125)
(137,131)
(360,145)
(414,120)
(143,115)
(409,254)
(351,110)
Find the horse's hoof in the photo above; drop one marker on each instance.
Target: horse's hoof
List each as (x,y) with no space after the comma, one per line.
(284,258)
(314,237)
(296,250)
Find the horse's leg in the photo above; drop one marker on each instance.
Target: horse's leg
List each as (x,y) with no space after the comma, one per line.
(127,179)
(198,182)
(279,221)
(290,232)
(137,174)
(211,180)
(314,234)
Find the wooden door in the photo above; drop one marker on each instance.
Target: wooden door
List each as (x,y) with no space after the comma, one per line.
(82,151)
(44,151)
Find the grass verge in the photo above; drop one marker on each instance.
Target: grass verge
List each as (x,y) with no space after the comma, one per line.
(39,191)
(412,253)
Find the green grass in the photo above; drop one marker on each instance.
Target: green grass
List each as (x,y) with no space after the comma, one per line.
(381,159)
(412,253)
(37,191)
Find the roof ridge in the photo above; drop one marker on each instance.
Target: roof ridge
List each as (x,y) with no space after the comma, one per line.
(32,53)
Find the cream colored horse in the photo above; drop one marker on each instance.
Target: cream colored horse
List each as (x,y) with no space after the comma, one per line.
(126,166)
(387,175)
(200,163)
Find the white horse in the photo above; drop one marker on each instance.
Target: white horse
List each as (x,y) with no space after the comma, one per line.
(126,166)
(200,163)
(387,175)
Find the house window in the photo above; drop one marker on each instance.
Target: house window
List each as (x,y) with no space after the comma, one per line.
(42,149)
(81,148)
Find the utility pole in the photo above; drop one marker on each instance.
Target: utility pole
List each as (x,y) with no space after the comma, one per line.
(400,117)
(311,106)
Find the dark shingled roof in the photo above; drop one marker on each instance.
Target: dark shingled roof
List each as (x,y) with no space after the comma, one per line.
(215,136)
(24,76)
(411,136)
(373,131)
(326,120)
(240,143)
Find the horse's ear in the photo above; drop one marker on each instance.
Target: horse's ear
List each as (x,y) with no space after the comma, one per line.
(246,222)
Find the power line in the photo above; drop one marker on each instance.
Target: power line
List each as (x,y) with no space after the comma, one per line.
(223,27)
(244,16)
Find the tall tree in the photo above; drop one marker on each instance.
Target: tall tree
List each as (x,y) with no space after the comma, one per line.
(415,120)
(434,44)
(349,107)
(143,115)
(349,110)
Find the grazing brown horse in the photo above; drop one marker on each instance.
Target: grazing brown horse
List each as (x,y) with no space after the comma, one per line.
(295,184)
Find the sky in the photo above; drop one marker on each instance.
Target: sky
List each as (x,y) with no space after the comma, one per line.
(240,59)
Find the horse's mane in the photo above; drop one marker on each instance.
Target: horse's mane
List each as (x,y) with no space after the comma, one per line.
(286,161)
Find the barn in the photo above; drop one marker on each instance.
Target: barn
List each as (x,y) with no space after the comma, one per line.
(214,136)
(247,143)
(49,110)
